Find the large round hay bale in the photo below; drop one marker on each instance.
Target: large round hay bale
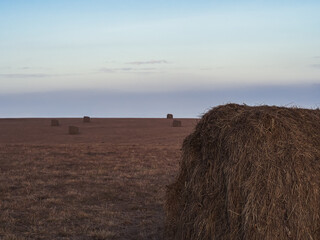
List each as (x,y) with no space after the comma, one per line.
(176,123)
(73,130)
(55,122)
(86,119)
(169,116)
(248,173)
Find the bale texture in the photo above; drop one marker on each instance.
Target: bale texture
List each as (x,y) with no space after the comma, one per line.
(55,122)
(176,123)
(73,130)
(169,116)
(248,173)
(86,119)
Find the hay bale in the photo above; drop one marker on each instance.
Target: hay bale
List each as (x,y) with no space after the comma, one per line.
(169,116)
(86,119)
(248,173)
(55,122)
(176,123)
(73,130)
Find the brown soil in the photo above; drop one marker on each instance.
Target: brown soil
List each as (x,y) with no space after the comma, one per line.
(108,182)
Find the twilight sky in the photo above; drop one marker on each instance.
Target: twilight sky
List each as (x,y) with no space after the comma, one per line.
(145,47)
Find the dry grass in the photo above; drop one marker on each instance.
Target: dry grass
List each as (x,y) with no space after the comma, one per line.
(176,123)
(73,130)
(97,190)
(55,122)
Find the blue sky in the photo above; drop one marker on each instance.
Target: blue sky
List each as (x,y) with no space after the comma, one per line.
(145,47)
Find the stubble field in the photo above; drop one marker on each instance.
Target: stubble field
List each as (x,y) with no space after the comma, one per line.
(108,182)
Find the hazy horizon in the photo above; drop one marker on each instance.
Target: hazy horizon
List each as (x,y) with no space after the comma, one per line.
(146,52)
(183,104)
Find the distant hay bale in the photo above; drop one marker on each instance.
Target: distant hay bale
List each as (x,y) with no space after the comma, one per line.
(73,130)
(55,122)
(169,116)
(86,119)
(176,123)
(248,173)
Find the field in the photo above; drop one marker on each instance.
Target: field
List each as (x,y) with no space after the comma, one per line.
(108,182)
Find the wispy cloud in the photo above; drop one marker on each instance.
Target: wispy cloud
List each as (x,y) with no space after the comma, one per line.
(148,62)
(315,65)
(113,70)
(106,70)
(23,68)
(33,75)
(316,57)
(17,75)
(147,69)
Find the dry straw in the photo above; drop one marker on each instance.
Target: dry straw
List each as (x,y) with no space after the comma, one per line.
(169,116)
(73,130)
(86,119)
(176,123)
(248,173)
(55,122)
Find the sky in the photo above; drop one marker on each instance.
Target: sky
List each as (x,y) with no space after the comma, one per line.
(142,53)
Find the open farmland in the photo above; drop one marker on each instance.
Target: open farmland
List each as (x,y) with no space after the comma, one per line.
(108,182)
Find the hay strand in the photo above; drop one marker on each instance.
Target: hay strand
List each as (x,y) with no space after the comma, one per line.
(248,173)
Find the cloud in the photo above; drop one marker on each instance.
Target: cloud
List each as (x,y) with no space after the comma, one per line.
(33,75)
(315,65)
(107,70)
(147,69)
(113,70)
(38,75)
(316,57)
(148,62)
(125,69)
(24,68)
